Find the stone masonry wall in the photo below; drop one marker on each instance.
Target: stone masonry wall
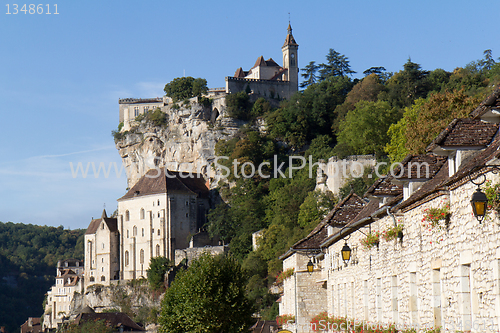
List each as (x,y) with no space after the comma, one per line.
(446,278)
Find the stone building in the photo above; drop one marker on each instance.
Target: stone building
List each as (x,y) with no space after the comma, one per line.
(267,78)
(101,251)
(159,214)
(69,274)
(442,270)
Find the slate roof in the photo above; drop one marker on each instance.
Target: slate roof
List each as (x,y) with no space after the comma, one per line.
(384,187)
(418,167)
(491,102)
(465,133)
(154,182)
(114,319)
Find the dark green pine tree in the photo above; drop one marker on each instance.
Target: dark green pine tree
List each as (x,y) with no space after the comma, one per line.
(309,74)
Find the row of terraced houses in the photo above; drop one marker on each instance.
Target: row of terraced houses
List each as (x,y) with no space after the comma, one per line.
(419,256)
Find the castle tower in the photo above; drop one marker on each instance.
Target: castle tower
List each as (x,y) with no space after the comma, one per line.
(291,60)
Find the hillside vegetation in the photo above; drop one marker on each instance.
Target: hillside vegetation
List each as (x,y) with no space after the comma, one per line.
(385,114)
(28,260)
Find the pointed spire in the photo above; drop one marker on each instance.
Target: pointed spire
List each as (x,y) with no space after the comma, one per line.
(289,37)
(104,215)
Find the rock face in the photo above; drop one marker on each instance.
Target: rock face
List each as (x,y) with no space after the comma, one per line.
(129,298)
(186,143)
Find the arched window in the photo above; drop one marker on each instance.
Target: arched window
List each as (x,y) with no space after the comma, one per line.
(127,216)
(126,258)
(128,234)
(141,256)
(92,279)
(134,231)
(157,250)
(158,202)
(142,213)
(103,278)
(142,232)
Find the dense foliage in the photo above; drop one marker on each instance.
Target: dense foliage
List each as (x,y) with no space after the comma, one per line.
(385,114)
(182,88)
(158,266)
(208,297)
(28,260)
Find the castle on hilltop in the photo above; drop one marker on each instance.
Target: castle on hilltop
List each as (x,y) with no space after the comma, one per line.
(266,78)
(163,212)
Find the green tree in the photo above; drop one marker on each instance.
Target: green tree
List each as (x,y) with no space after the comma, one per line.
(238,105)
(158,266)
(309,74)
(208,297)
(309,113)
(185,87)
(315,206)
(407,85)
(365,128)
(336,65)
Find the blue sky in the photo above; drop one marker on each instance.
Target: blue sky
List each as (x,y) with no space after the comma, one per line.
(62,75)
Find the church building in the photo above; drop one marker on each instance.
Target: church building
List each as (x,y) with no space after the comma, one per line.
(158,215)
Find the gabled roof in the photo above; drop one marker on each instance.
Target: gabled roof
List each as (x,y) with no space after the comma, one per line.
(265,63)
(428,191)
(383,187)
(471,133)
(418,167)
(35,327)
(339,216)
(491,102)
(111,223)
(113,319)
(156,182)
(240,73)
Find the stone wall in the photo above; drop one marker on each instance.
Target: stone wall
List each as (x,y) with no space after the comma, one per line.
(186,143)
(335,173)
(433,277)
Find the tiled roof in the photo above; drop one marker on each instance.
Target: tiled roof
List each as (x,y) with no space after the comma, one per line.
(384,187)
(266,63)
(112,224)
(154,182)
(36,327)
(289,37)
(491,102)
(114,319)
(465,133)
(239,73)
(428,190)
(339,216)
(418,167)
(345,210)
(479,159)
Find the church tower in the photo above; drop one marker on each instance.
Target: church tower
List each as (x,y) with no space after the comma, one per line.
(291,60)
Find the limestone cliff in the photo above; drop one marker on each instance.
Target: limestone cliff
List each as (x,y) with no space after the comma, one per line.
(185,143)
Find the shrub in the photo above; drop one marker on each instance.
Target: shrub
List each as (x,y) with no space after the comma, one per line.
(371,240)
(282,276)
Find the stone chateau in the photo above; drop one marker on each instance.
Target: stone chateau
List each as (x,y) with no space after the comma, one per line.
(429,262)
